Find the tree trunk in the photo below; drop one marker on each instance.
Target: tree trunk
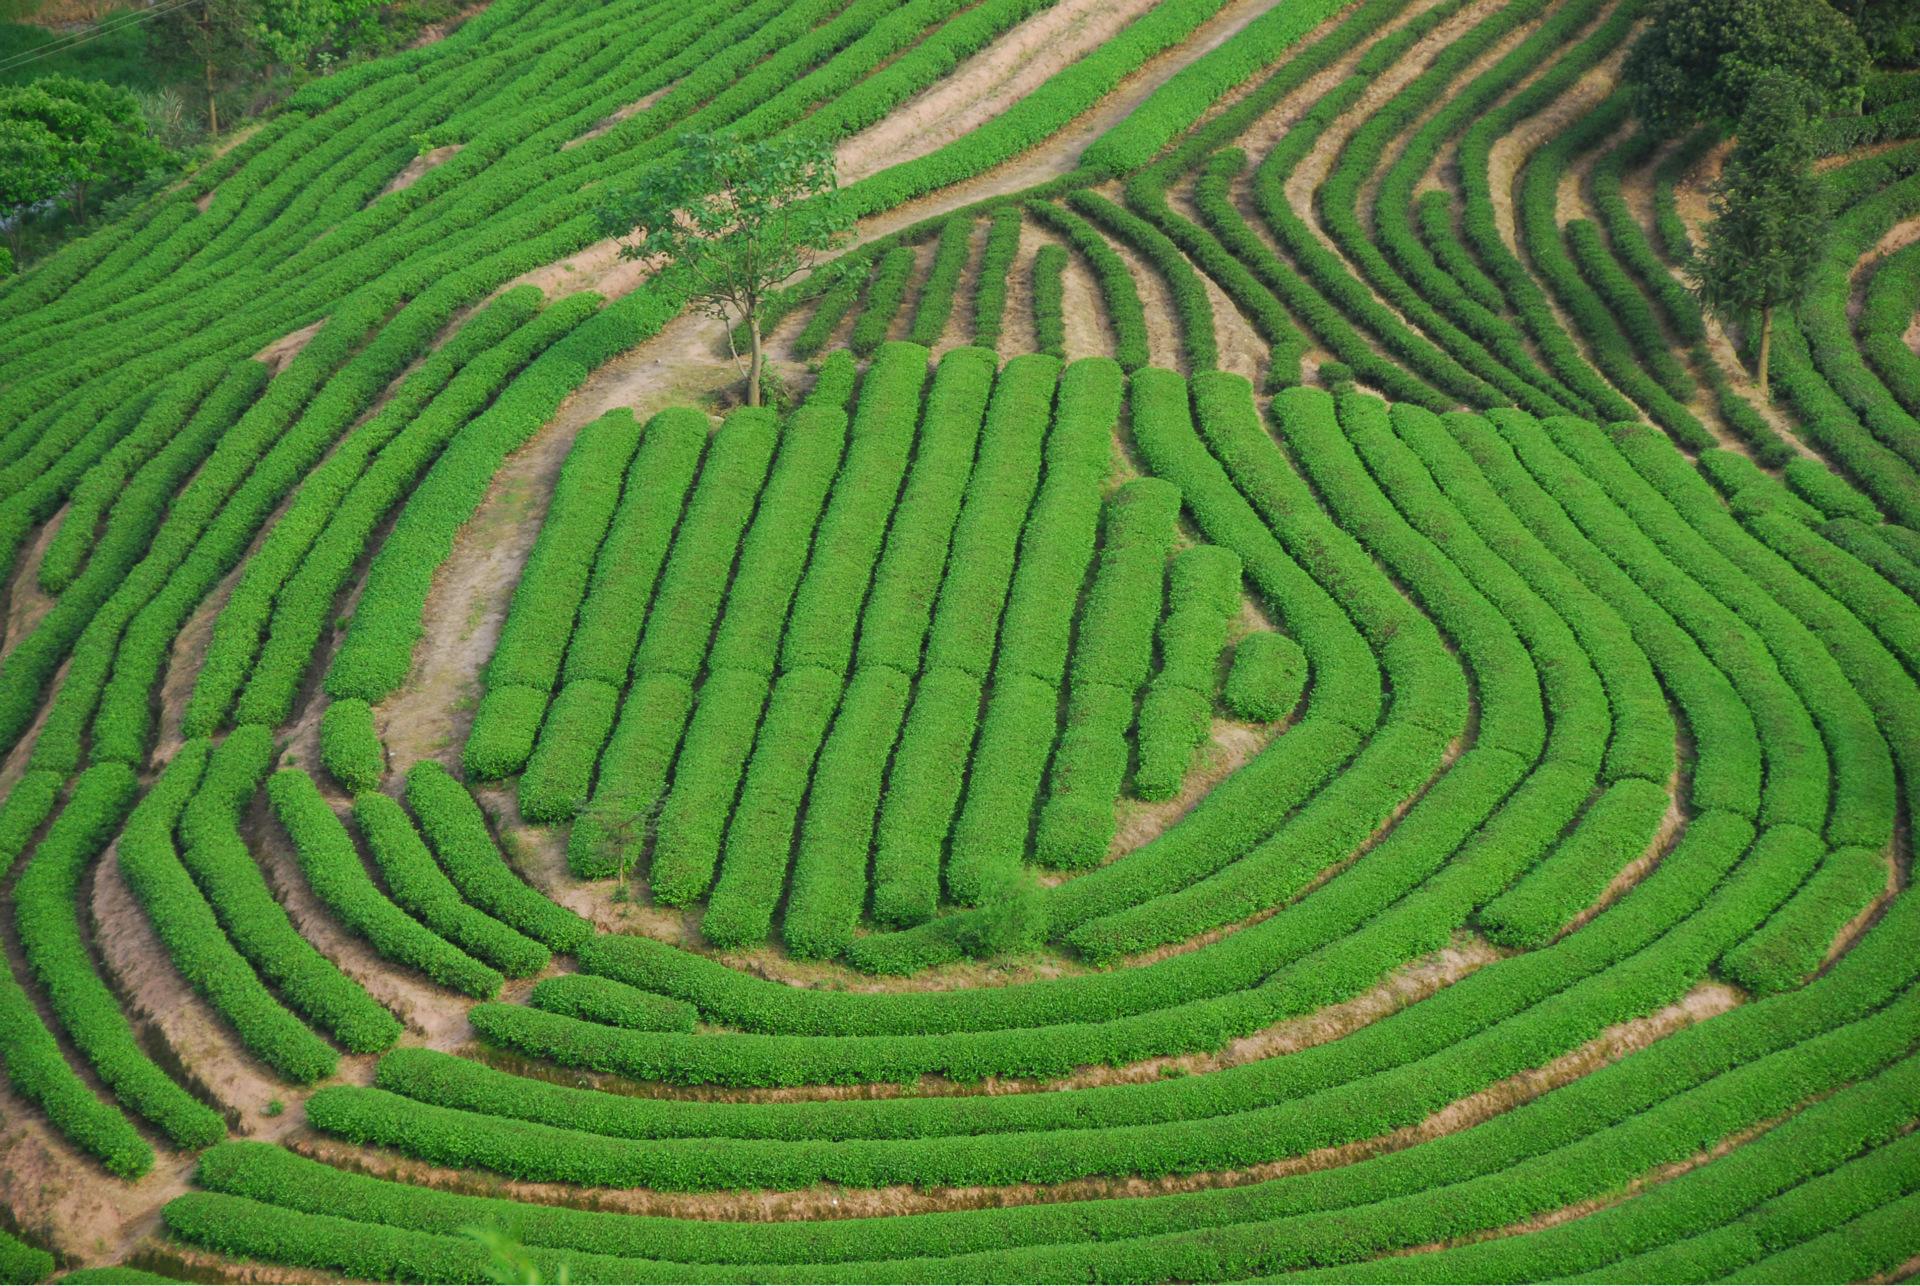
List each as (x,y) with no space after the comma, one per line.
(1766,346)
(213,106)
(756,359)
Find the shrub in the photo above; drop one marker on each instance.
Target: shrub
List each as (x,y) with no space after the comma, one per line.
(559,776)
(935,305)
(996,264)
(1049,321)
(47,914)
(628,566)
(760,832)
(886,291)
(1124,312)
(221,865)
(829,886)
(197,945)
(554,581)
(602,1000)
(350,748)
(1203,595)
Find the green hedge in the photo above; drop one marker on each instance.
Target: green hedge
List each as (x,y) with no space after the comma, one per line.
(47,916)
(907,580)
(628,565)
(1124,313)
(201,950)
(554,581)
(461,840)
(1203,597)
(332,865)
(760,833)
(886,291)
(253,919)
(419,886)
(934,308)
(602,1000)
(829,886)
(1049,300)
(350,748)
(996,266)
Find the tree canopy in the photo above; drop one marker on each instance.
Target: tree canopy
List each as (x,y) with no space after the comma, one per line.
(64,137)
(1699,59)
(1769,212)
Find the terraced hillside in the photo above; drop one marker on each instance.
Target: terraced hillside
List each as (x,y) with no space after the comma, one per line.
(1277,703)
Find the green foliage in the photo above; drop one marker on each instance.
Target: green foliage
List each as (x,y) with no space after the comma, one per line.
(350,748)
(886,291)
(47,916)
(332,865)
(1269,673)
(739,216)
(829,886)
(760,833)
(203,953)
(934,308)
(552,585)
(418,885)
(457,830)
(1124,311)
(1768,212)
(218,861)
(1049,322)
(604,1000)
(1702,59)
(996,264)
(20,1262)
(1203,596)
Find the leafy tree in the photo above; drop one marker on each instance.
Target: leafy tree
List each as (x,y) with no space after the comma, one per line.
(1769,213)
(738,216)
(36,166)
(1891,29)
(1698,59)
(112,143)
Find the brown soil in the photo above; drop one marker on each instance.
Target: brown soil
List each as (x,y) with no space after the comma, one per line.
(1898,237)
(282,351)
(410,172)
(986,85)
(26,604)
(429,717)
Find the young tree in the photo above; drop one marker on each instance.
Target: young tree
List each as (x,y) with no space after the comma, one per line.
(1698,59)
(216,37)
(738,216)
(1769,213)
(621,833)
